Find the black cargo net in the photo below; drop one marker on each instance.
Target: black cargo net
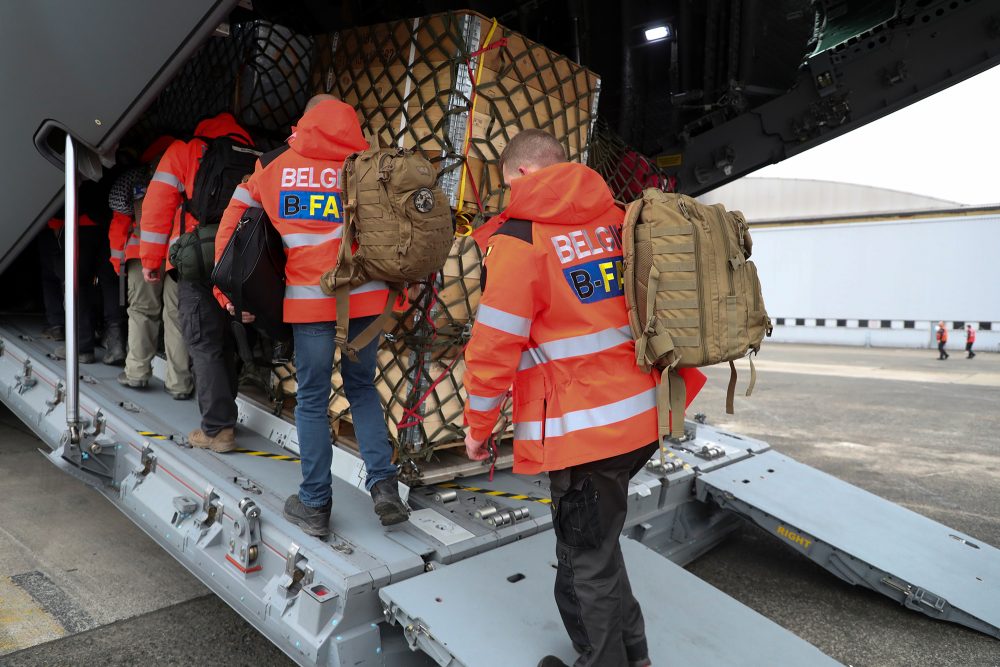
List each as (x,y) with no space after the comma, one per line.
(458,87)
(259,73)
(626,171)
(420,365)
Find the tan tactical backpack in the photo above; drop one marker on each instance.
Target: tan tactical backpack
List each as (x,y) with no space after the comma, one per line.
(402,223)
(693,295)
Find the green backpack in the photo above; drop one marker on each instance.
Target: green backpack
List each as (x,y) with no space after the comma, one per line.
(693,295)
(193,253)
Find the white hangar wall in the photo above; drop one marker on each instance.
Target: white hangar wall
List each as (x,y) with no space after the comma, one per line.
(882,283)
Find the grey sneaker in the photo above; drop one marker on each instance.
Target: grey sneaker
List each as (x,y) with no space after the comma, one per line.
(126,381)
(388,505)
(83,357)
(55,332)
(312,520)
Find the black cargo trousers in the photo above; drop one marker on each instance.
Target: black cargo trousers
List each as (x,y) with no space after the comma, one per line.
(592,589)
(207,330)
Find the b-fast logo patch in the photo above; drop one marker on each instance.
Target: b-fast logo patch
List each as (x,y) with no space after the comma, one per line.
(311,205)
(597,280)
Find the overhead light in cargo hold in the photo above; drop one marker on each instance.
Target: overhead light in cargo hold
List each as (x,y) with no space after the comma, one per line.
(657,33)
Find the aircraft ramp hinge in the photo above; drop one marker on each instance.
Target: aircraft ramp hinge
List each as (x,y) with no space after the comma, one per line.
(298,572)
(91,450)
(25,380)
(57,397)
(244,540)
(920,598)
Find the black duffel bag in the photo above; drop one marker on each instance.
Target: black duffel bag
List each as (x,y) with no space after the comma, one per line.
(251,273)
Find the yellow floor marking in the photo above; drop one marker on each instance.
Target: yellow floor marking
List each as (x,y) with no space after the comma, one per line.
(23,623)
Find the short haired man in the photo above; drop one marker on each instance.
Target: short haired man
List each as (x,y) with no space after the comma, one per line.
(299,186)
(553,323)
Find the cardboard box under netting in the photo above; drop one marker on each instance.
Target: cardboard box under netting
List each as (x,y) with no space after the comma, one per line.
(419,365)
(458,87)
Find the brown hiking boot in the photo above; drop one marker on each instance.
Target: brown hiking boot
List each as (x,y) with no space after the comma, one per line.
(222,442)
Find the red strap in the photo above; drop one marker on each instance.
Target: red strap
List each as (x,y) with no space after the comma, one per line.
(411,413)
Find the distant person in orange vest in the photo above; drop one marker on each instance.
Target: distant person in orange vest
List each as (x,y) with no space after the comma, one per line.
(970,338)
(553,323)
(942,340)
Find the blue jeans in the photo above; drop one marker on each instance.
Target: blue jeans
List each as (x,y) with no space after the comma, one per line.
(314,348)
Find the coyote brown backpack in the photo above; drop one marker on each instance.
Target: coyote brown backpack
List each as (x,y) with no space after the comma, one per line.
(401,221)
(693,295)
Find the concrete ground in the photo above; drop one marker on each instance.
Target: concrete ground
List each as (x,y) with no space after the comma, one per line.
(80,584)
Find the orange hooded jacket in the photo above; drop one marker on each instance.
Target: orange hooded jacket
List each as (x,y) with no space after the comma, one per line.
(299,186)
(160,223)
(553,322)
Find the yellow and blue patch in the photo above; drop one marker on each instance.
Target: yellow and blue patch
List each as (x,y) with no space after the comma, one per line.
(311,205)
(597,280)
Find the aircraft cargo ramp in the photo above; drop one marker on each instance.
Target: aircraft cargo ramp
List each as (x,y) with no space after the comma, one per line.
(863,539)
(405,596)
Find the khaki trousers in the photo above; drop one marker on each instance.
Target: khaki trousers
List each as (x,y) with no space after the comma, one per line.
(148,305)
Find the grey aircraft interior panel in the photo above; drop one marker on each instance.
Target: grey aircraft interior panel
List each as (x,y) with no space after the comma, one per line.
(498,610)
(925,565)
(91,67)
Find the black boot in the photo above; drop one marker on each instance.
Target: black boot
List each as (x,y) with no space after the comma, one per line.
(551,661)
(114,345)
(388,505)
(312,520)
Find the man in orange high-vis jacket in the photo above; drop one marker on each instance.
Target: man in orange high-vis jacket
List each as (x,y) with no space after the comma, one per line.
(970,339)
(553,323)
(942,339)
(204,325)
(299,186)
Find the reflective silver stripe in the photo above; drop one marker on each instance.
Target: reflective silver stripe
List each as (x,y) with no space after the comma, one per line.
(133,240)
(305,239)
(305,292)
(530,358)
(153,237)
(485,403)
(169,179)
(241,194)
(373,286)
(515,325)
(118,254)
(528,431)
(316,292)
(575,346)
(601,416)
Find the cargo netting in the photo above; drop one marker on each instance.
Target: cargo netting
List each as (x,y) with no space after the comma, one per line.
(458,87)
(626,171)
(259,72)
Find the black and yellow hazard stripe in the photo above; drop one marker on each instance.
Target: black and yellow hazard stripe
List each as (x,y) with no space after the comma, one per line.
(154,435)
(248,452)
(495,493)
(268,455)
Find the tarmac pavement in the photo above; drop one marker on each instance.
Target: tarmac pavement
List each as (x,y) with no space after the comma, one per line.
(80,584)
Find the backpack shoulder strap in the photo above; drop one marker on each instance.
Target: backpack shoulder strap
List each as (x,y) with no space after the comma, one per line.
(518,228)
(270,156)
